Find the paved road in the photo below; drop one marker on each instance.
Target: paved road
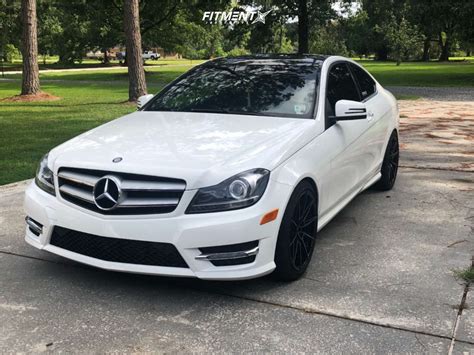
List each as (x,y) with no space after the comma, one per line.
(381,281)
(435,93)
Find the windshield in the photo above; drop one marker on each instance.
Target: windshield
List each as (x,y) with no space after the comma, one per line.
(271,88)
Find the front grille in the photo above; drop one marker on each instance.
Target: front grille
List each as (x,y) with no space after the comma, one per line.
(141,194)
(117,250)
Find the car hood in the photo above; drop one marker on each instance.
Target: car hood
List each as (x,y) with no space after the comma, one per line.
(202,148)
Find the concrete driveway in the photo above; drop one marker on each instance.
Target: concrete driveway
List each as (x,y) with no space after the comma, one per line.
(381,279)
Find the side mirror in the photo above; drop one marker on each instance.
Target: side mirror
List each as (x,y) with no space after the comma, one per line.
(142,100)
(347,110)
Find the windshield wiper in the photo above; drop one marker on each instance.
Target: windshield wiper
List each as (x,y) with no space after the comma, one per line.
(249,113)
(209,110)
(218,110)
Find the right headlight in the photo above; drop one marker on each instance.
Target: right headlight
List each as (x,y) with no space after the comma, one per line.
(44,176)
(240,191)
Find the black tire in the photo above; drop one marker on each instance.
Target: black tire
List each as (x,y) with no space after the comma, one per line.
(389,165)
(297,234)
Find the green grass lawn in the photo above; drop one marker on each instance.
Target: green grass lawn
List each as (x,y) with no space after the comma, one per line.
(90,98)
(450,74)
(29,130)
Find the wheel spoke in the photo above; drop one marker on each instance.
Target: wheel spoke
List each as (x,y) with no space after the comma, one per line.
(305,249)
(308,209)
(293,241)
(309,221)
(303,205)
(307,235)
(300,249)
(293,250)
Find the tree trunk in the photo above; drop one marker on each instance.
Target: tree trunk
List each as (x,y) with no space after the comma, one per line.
(30,78)
(133,42)
(106,56)
(426,49)
(303,45)
(445,48)
(382,53)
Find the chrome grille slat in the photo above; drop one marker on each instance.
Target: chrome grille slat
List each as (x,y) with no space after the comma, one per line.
(148,202)
(128,185)
(77,192)
(141,194)
(79,178)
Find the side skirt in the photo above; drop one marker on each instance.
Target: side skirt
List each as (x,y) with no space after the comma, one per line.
(328,216)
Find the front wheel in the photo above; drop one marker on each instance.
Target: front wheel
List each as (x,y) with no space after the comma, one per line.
(389,165)
(297,233)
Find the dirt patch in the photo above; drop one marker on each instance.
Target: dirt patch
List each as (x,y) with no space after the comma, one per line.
(41,96)
(437,134)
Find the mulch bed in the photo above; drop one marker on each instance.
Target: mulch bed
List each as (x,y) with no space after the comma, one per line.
(41,96)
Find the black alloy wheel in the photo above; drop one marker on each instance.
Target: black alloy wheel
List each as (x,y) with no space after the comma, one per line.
(390,164)
(297,233)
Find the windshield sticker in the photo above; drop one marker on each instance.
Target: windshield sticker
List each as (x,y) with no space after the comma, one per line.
(300,109)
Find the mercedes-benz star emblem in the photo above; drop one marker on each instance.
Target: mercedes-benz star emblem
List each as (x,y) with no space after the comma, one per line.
(107,193)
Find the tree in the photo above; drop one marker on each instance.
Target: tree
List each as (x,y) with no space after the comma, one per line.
(328,40)
(303,27)
(356,31)
(310,14)
(402,37)
(378,11)
(30,79)
(105,30)
(9,27)
(133,43)
(423,13)
(455,18)
(49,29)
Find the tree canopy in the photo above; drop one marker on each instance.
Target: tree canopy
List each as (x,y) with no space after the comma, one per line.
(386,29)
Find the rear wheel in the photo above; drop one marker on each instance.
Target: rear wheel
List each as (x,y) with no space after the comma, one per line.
(297,233)
(390,165)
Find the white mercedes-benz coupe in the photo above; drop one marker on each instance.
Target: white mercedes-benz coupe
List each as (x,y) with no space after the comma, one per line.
(228,173)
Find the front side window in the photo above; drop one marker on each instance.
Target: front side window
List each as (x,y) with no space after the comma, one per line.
(340,86)
(366,83)
(270,88)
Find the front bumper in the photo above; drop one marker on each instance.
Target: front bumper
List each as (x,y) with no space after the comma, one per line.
(187,233)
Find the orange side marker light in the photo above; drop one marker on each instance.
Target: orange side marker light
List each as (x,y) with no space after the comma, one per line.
(270,216)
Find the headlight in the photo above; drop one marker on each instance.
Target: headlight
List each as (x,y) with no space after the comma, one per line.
(44,176)
(240,191)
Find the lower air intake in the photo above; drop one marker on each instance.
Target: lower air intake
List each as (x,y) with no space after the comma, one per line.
(117,250)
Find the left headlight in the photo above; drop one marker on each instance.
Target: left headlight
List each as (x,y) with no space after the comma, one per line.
(240,191)
(44,176)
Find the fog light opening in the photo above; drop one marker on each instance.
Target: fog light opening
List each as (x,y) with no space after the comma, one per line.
(35,227)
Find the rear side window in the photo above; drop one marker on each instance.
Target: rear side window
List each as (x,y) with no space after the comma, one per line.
(366,83)
(340,85)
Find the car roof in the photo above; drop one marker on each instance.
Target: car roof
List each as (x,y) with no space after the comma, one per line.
(309,59)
